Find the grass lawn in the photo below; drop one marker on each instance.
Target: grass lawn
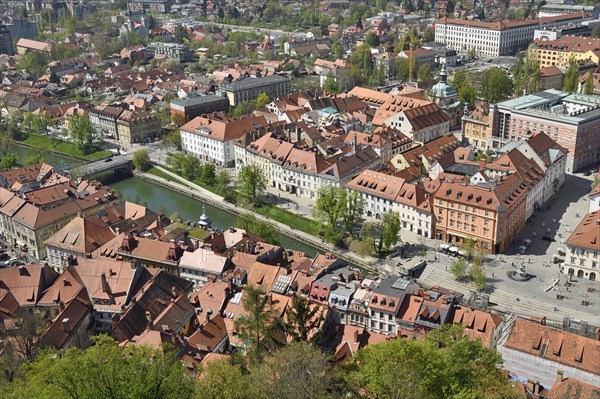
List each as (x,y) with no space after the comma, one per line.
(291,219)
(63,147)
(159,173)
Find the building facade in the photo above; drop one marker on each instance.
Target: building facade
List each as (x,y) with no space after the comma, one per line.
(494,39)
(582,259)
(248,89)
(572,120)
(192,107)
(104,119)
(137,127)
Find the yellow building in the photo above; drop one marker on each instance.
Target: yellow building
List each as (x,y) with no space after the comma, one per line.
(558,52)
(135,127)
(476,127)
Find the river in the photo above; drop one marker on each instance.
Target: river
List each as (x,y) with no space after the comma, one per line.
(161,199)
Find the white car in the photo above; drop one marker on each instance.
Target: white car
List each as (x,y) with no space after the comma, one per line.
(522,249)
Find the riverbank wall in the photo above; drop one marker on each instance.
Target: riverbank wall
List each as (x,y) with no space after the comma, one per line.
(192,190)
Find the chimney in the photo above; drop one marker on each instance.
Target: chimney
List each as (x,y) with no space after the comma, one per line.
(356,336)
(559,376)
(104,282)
(231,230)
(174,291)
(148,317)
(65,325)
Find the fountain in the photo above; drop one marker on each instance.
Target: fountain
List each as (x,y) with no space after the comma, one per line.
(520,274)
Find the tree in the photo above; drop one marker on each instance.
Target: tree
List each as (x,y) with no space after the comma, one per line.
(371,39)
(34,63)
(352,210)
(262,100)
(459,268)
(27,332)
(251,183)
(219,380)
(222,181)
(330,205)
(8,161)
(105,370)
(445,365)
(255,327)
(331,85)
(246,221)
(477,272)
(390,228)
(35,157)
(424,73)
(297,371)
(265,230)
(207,173)
(190,167)
(302,320)
(571,81)
(429,33)
(173,139)
(368,239)
(83,132)
(176,162)
(588,88)
(496,85)
(141,160)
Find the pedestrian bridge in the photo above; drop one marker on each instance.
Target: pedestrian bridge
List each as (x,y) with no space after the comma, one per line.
(120,162)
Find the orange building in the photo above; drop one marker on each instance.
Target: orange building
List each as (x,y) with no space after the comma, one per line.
(492,213)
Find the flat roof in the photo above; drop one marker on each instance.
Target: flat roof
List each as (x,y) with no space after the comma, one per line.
(255,82)
(188,102)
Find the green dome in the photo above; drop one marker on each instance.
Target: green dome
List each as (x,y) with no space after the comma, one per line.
(442,89)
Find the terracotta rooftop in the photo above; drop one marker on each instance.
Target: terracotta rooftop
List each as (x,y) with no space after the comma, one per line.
(555,345)
(587,232)
(28,282)
(81,235)
(220,128)
(506,24)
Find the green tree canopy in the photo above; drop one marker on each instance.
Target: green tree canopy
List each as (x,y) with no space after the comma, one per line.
(83,133)
(447,365)
(105,370)
(496,85)
(424,73)
(141,160)
(571,81)
(251,183)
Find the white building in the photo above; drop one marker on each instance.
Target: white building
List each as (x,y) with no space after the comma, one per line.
(583,256)
(201,266)
(494,39)
(382,193)
(211,138)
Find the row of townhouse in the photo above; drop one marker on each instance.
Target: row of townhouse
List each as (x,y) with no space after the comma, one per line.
(304,171)
(127,126)
(28,217)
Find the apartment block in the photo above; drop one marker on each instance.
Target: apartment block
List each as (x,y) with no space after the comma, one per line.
(572,120)
(248,89)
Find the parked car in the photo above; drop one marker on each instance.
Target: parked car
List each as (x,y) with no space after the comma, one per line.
(527,242)
(548,238)
(522,249)
(14,262)
(587,173)
(4,256)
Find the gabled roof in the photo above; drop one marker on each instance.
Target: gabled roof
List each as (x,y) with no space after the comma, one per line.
(81,235)
(555,345)
(27,283)
(68,321)
(587,232)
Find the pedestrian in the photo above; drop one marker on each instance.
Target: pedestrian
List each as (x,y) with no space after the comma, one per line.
(492,275)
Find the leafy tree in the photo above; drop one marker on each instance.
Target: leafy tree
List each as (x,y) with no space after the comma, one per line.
(330,205)
(445,365)
(424,73)
(477,272)
(353,210)
(262,100)
(301,319)
(468,95)
(222,181)
(390,229)
(191,166)
(220,380)
(372,39)
(496,85)
(34,63)
(141,160)
(297,371)
(251,183)
(571,81)
(8,161)
(35,157)
(459,268)
(255,327)
(207,173)
(265,230)
(362,63)
(588,88)
(246,221)
(368,239)
(105,370)
(83,133)
(173,139)
(331,85)
(428,33)
(176,162)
